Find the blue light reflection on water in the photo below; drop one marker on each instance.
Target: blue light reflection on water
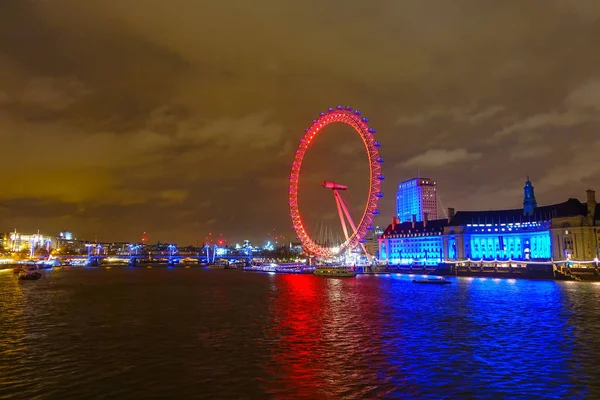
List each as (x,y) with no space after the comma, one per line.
(489,336)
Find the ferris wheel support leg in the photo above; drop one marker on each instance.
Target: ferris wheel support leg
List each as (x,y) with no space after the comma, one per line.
(340,200)
(339,205)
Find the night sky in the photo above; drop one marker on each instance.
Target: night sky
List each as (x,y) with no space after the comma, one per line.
(181,117)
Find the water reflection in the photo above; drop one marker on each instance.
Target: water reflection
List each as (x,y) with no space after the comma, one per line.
(14,303)
(297,308)
(195,333)
(383,336)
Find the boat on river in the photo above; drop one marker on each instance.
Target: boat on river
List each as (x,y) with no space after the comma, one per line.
(336,272)
(280,268)
(29,275)
(432,281)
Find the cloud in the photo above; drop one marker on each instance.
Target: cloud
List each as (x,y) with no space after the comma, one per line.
(349,148)
(106,166)
(274,183)
(468,115)
(536,122)
(116,118)
(527,152)
(484,114)
(578,109)
(440,157)
(576,170)
(586,96)
(491,197)
(52,93)
(251,132)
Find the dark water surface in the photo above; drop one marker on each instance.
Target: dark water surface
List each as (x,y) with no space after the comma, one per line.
(196,333)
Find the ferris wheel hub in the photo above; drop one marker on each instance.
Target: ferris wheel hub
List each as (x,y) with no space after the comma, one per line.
(334,186)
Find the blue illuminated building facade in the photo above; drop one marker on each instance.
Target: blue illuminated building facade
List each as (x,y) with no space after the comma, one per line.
(564,231)
(417,198)
(498,240)
(413,243)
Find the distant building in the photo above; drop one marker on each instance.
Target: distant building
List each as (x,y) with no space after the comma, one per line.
(66,235)
(371,241)
(417,197)
(66,243)
(3,240)
(558,232)
(15,241)
(296,247)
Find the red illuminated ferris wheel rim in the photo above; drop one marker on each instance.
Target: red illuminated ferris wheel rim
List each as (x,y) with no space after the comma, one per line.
(348,116)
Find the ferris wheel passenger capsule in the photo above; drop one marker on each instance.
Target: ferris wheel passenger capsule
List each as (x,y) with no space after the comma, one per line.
(376,212)
(340,107)
(365,120)
(348,108)
(381,177)
(356,112)
(370,228)
(377,144)
(379,194)
(314,121)
(379,160)
(322,114)
(372,131)
(330,110)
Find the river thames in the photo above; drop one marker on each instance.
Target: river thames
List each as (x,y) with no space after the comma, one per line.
(197,333)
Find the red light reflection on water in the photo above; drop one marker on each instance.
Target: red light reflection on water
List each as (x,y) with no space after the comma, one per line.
(298,308)
(329,338)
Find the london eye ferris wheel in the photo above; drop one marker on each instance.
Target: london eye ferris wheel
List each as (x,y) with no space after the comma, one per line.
(355,233)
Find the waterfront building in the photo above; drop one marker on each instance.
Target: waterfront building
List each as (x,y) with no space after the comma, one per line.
(15,241)
(568,231)
(296,247)
(3,240)
(417,197)
(413,243)
(66,235)
(66,243)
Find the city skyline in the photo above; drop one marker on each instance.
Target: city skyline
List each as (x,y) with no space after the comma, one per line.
(117,118)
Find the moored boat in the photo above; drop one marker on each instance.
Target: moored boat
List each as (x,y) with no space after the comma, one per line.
(432,281)
(336,272)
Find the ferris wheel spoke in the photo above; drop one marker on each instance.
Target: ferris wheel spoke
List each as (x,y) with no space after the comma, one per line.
(345,208)
(341,214)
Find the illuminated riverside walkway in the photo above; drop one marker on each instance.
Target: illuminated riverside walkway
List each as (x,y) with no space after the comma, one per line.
(170,256)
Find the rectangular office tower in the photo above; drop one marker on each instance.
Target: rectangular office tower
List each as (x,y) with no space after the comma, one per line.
(417,197)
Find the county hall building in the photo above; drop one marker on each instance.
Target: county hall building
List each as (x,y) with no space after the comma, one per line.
(568,231)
